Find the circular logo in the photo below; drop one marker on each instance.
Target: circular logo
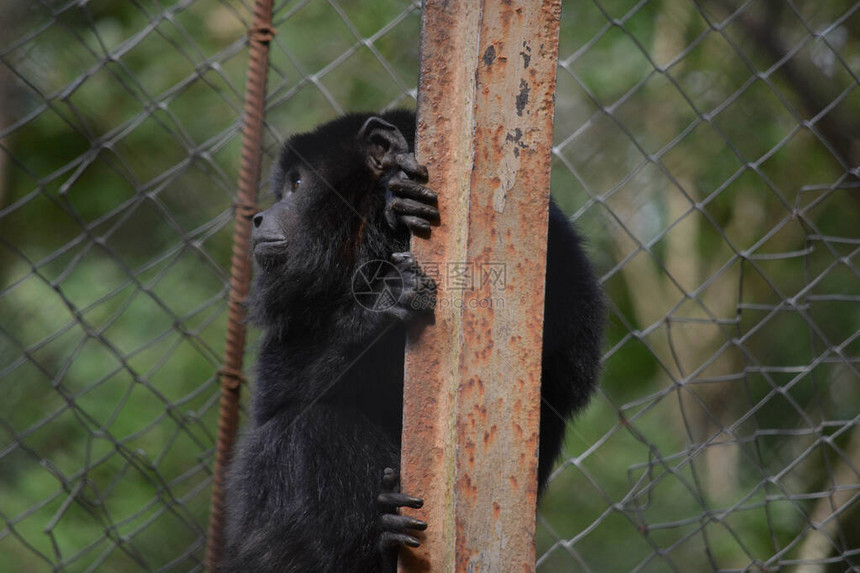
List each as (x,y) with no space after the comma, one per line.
(377,285)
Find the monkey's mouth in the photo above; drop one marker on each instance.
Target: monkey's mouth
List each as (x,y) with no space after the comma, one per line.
(269,247)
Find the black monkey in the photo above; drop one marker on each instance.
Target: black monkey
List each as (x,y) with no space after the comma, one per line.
(314,485)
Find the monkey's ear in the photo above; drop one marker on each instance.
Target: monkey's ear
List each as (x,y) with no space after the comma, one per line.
(383,142)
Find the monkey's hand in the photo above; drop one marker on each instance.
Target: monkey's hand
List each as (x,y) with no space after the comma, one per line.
(413,292)
(397,530)
(409,203)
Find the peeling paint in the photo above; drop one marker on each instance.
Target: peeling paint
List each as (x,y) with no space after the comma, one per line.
(526,54)
(523,97)
(508,168)
(489,56)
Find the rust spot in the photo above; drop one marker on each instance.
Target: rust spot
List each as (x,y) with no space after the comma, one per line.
(472,387)
(490,436)
(487,351)
(466,488)
(497,510)
(469,448)
(505,17)
(496,138)
(481,411)
(490,56)
(512,479)
(518,432)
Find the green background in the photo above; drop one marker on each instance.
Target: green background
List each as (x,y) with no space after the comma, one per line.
(704,150)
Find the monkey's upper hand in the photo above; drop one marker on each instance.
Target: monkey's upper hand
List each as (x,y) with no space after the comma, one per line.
(410,203)
(397,530)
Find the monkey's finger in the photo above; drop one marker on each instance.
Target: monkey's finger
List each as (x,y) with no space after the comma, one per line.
(410,166)
(406,257)
(400,523)
(412,190)
(392,499)
(398,312)
(389,540)
(414,208)
(390,480)
(416,224)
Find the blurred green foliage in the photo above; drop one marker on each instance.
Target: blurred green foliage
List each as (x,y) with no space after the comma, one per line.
(706,167)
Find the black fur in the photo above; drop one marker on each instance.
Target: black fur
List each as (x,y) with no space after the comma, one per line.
(305,492)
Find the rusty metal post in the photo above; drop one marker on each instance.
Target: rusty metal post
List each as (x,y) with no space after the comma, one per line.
(472,390)
(259,36)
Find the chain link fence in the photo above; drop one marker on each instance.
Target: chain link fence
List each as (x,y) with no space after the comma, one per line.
(708,150)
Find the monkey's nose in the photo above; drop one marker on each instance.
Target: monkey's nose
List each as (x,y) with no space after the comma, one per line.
(258,220)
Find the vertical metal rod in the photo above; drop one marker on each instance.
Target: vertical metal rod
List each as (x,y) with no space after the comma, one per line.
(259,36)
(472,388)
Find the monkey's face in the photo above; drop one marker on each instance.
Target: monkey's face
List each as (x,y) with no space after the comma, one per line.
(285,229)
(269,234)
(319,205)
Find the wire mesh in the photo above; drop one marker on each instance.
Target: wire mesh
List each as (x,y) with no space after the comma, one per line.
(708,150)
(120,147)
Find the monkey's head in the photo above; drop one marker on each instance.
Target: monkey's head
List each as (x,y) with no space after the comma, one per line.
(328,214)
(326,185)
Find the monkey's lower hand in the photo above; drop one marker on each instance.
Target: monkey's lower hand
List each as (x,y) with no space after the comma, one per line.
(397,530)
(409,203)
(413,293)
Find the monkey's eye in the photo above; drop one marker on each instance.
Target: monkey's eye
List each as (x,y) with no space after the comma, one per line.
(295,181)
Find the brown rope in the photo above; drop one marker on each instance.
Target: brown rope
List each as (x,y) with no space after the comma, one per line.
(260,34)
(244,209)
(231,379)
